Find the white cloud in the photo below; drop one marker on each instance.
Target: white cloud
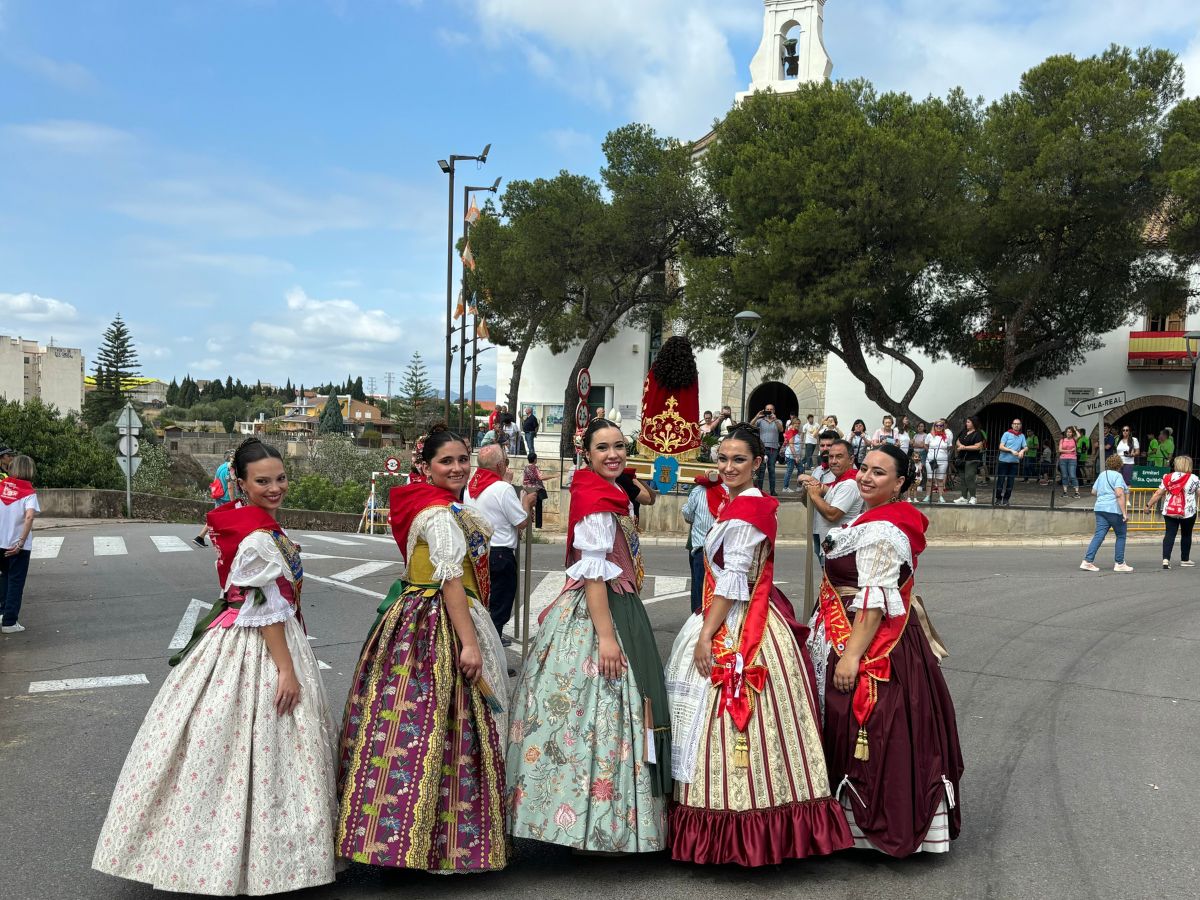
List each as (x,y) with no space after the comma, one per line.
(667,63)
(28,307)
(72,135)
(214,346)
(570,140)
(65,74)
(208,368)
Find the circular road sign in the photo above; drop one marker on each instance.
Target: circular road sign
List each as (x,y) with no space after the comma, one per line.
(392,465)
(581,414)
(127,445)
(584,383)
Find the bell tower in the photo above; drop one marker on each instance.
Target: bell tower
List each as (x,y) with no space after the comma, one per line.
(792,51)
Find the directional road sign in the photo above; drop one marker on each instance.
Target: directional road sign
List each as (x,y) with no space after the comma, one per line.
(129,464)
(127,445)
(1098,405)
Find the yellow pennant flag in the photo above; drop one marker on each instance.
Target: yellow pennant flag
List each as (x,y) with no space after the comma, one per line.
(458,310)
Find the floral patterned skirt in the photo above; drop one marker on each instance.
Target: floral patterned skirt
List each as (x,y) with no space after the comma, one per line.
(422,773)
(221,795)
(578,755)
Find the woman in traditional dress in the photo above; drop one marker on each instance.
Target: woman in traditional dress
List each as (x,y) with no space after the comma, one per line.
(590,745)
(229,786)
(891,742)
(421,779)
(749,770)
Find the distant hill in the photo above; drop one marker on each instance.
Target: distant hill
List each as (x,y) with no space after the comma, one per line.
(482,392)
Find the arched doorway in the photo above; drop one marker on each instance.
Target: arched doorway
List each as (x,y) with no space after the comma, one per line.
(776,393)
(1147,416)
(997,417)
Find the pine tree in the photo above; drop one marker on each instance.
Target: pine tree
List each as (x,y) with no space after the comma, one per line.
(229,394)
(330,421)
(173,393)
(116,364)
(415,395)
(356,390)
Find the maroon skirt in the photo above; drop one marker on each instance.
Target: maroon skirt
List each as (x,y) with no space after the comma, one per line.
(913,741)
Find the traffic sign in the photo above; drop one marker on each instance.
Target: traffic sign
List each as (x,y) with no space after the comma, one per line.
(1098,405)
(583,383)
(392,465)
(127,445)
(581,414)
(129,464)
(128,420)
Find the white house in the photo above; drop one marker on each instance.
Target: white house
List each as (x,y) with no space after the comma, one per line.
(1146,357)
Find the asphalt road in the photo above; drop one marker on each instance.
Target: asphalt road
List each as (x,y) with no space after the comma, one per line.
(1078,700)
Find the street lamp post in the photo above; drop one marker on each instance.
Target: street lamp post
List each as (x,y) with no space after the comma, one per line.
(462,338)
(746,323)
(447,168)
(475,370)
(1191,342)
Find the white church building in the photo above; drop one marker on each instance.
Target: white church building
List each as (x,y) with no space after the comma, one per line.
(1146,357)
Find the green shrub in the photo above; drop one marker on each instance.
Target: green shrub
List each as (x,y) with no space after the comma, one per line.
(65,451)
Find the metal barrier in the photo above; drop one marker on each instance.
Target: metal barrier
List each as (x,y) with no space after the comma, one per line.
(1142,516)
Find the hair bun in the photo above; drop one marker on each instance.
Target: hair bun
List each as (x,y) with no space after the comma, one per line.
(437,428)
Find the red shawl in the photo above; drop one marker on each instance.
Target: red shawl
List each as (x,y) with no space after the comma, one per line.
(230,524)
(904,516)
(14,489)
(592,493)
(406,501)
(736,672)
(481,481)
(714,492)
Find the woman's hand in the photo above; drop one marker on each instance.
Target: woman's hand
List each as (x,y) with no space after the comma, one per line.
(702,656)
(612,660)
(287,695)
(846,674)
(470,662)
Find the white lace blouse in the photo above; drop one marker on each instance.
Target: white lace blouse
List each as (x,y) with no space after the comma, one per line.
(881,549)
(594,538)
(739,540)
(258,564)
(438,528)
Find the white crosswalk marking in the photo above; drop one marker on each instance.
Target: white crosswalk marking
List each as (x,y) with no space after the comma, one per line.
(543,595)
(329,540)
(376,537)
(81,684)
(368,568)
(321,664)
(187,624)
(109,546)
(669,584)
(46,547)
(169,543)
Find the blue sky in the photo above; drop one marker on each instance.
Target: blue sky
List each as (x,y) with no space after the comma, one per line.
(253,184)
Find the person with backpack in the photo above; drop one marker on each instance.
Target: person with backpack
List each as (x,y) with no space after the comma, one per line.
(221,490)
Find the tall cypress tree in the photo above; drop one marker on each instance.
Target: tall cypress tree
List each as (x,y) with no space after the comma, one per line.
(173,393)
(330,421)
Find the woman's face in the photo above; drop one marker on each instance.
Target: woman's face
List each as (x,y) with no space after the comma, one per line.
(1126,434)
(607,453)
(888,422)
(877,479)
(265,484)
(969,425)
(451,466)
(859,427)
(736,463)
(920,428)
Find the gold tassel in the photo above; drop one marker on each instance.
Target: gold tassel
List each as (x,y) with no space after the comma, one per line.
(741,752)
(860,746)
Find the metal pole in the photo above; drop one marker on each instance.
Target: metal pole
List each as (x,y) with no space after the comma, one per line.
(525,592)
(1187,421)
(809,600)
(128,423)
(745,368)
(462,333)
(449,290)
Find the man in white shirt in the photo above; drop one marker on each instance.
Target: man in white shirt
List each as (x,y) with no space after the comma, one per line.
(812,432)
(838,502)
(495,500)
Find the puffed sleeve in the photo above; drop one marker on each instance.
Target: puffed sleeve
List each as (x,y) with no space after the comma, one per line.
(447,544)
(594,538)
(881,549)
(258,564)
(739,543)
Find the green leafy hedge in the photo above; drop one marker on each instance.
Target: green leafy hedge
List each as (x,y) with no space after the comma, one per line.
(64,450)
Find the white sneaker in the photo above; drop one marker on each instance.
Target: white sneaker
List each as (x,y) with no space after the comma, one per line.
(1089,567)
(941,499)
(1166,564)
(960,500)
(1186,564)
(15,628)
(1121,567)
(972,501)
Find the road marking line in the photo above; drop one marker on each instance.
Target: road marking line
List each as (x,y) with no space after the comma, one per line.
(344,586)
(669,584)
(187,624)
(308,556)
(83,684)
(169,543)
(108,546)
(542,596)
(376,537)
(46,547)
(330,540)
(321,664)
(660,597)
(367,568)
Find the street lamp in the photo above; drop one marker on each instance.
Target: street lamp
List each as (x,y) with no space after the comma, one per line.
(475,370)
(448,169)
(493,188)
(746,323)
(1191,343)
